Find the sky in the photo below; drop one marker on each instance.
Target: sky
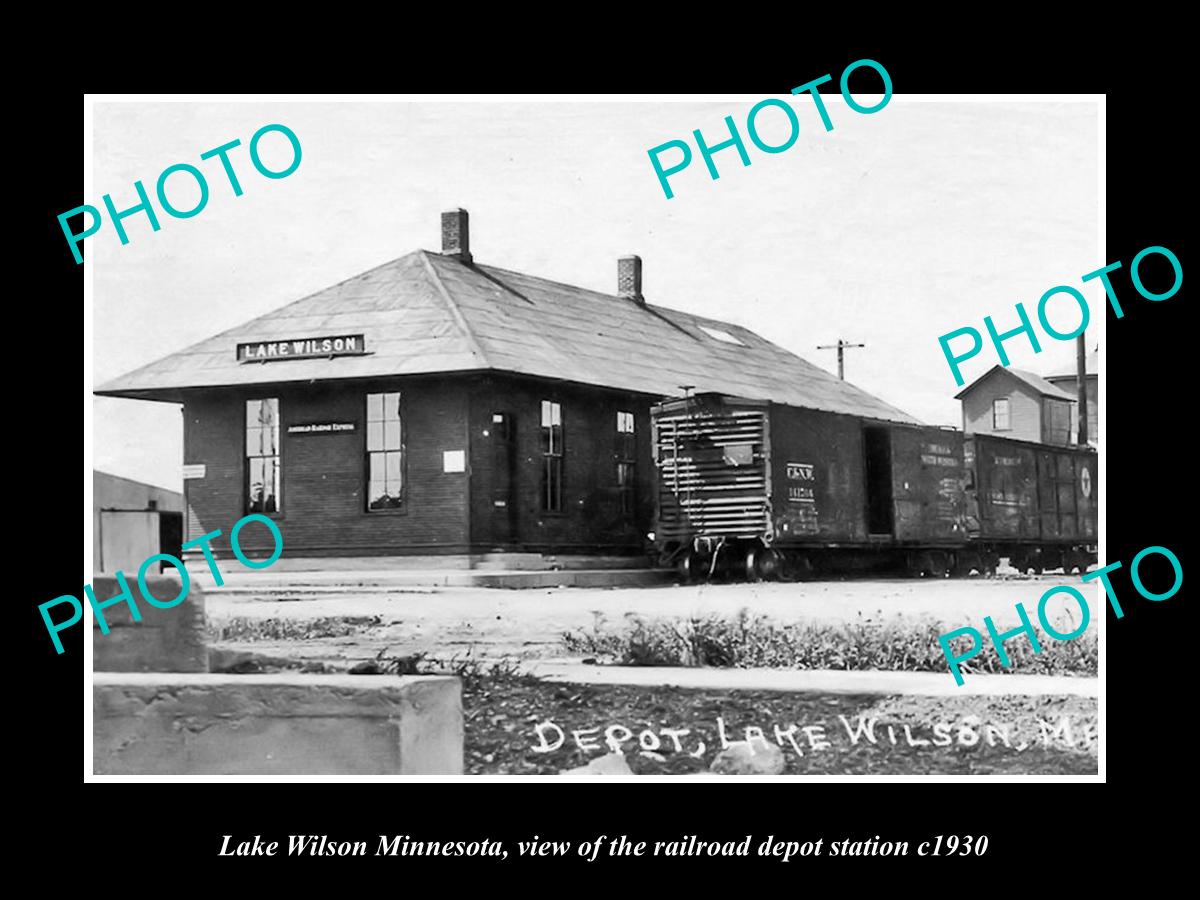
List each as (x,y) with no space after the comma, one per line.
(890,230)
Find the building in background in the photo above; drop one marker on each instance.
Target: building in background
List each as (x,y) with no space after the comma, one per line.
(132,521)
(1017,404)
(437,406)
(1069,382)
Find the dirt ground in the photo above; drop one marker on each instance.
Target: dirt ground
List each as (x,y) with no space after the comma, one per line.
(524,624)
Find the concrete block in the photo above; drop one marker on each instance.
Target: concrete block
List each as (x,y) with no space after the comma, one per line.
(284,724)
(166,640)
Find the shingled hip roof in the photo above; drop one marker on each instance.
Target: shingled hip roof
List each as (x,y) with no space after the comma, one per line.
(430,313)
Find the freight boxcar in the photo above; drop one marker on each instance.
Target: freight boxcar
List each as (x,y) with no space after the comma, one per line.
(1033,503)
(760,489)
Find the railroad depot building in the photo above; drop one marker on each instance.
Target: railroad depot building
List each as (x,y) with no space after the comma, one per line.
(437,406)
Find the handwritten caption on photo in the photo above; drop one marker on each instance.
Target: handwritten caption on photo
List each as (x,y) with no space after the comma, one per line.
(968,732)
(126,596)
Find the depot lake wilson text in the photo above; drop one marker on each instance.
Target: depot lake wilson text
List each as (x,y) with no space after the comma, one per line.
(323,845)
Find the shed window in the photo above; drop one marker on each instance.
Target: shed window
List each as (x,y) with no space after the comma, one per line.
(552,456)
(626,460)
(1001,420)
(262,456)
(385,452)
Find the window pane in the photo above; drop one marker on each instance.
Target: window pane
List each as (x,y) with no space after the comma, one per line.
(374,407)
(393,472)
(253,442)
(257,485)
(555,414)
(252,412)
(270,411)
(376,470)
(391,435)
(380,499)
(374,435)
(271,477)
(270,440)
(546,414)
(392,405)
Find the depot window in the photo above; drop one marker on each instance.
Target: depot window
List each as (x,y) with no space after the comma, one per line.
(552,457)
(1001,420)
(262,456)
(385,452)
(626,460)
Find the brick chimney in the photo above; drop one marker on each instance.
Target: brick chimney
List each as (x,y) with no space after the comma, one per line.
(629,279)
(456,236)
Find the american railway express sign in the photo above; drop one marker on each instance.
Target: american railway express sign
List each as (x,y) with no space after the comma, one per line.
(302,348)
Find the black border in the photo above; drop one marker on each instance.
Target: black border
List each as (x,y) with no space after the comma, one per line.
(1147,456)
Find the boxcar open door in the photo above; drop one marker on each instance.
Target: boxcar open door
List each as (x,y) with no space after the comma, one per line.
(877,448)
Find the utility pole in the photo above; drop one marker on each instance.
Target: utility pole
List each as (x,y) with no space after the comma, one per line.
(1081,379)
(840,346)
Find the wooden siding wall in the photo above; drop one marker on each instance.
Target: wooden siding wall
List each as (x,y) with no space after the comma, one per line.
(1025,409)
(591,517)
(324,475)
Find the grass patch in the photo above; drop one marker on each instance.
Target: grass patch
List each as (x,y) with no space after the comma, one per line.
(892,644)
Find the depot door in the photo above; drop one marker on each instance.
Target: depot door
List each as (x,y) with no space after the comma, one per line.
(502,436)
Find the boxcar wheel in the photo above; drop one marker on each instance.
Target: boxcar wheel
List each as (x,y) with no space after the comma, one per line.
(798,567)
(768,564)
(692,567)
(751,563)
(966,562)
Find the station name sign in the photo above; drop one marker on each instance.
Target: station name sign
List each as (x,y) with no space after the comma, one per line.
(302,348)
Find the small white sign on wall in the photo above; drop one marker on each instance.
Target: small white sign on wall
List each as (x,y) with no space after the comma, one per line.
(454,461)
(193,470)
